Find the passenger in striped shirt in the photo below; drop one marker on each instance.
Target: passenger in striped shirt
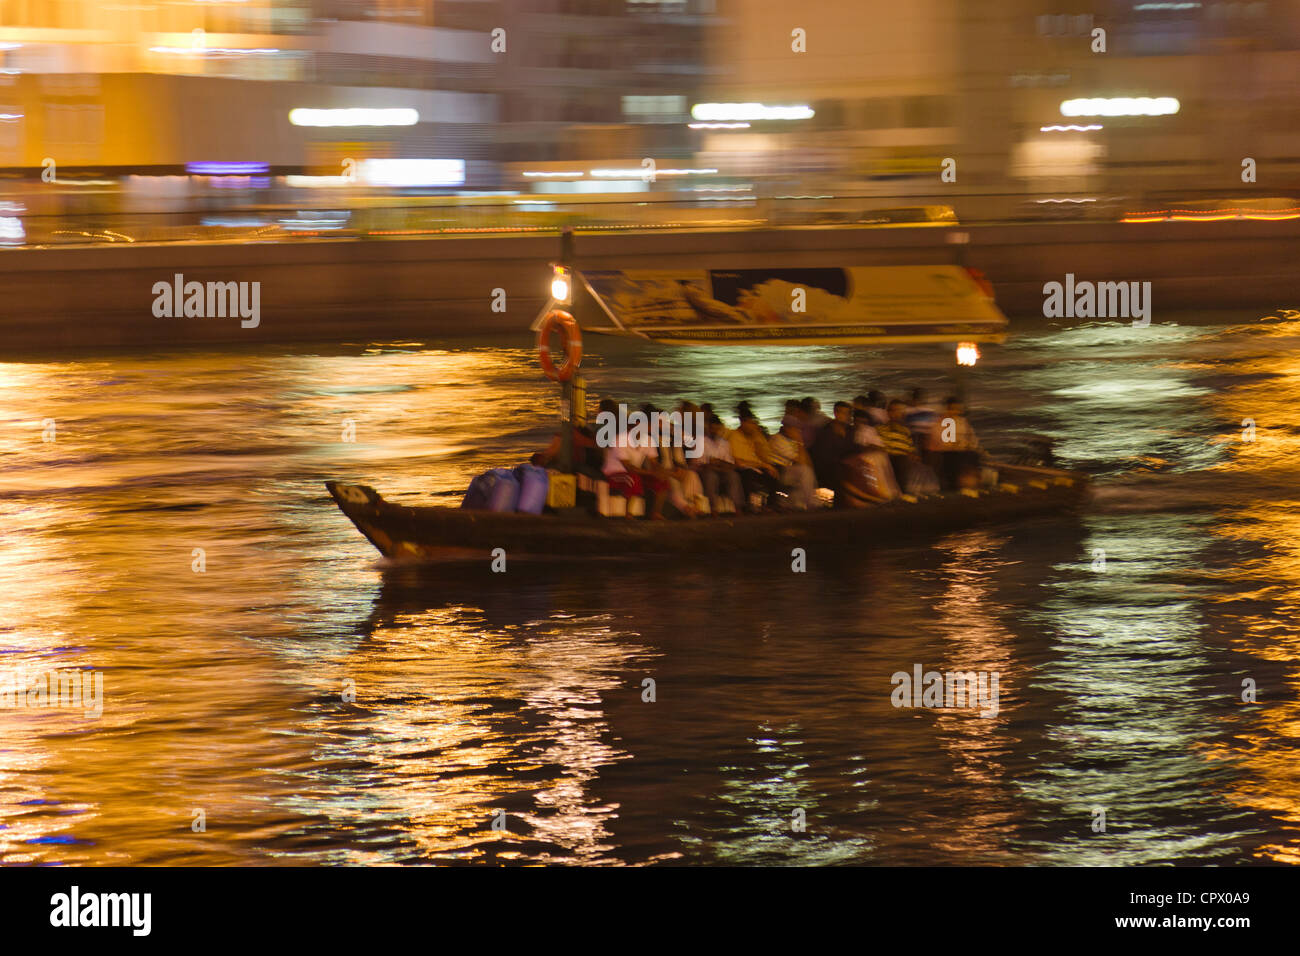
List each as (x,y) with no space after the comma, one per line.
(787,454)
(899,444)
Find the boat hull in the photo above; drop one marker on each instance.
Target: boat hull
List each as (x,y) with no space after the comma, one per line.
(441,534)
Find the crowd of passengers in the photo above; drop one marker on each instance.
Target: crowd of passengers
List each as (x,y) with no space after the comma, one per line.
(867,451)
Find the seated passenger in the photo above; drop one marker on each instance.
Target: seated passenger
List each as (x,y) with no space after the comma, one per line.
(793,413)
(745,413)
(684,487)
(866,475)
(832,444)
(584,445)
(899,446)
(953,441)
(788,456)
(717,468)
(632,471)
(864,429)
(814,420)
(876,407)
(867,479)
(749,448)
(920,418)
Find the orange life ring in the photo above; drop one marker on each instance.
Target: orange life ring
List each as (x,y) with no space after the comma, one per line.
(568,328)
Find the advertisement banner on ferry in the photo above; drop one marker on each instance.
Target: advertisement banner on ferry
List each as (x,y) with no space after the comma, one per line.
(884,304)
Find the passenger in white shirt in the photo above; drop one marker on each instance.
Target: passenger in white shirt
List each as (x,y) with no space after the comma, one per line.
(718,468)
(633,471)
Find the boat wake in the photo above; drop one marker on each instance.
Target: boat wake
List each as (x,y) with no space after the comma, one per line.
(1181,492)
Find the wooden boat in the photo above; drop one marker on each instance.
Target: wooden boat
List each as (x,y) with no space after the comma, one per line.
(432,533)
(867,306)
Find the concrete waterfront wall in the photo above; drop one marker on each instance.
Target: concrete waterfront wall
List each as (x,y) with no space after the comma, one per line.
(359,291)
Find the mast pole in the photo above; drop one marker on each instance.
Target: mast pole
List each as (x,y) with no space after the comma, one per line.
(566,461)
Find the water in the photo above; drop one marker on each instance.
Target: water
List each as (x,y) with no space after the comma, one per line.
(481,693)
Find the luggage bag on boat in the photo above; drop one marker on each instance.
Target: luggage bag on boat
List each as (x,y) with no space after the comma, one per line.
(561,490)
(533,485)
(494,490)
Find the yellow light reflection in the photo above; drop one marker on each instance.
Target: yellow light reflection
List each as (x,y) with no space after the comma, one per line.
(1262,605)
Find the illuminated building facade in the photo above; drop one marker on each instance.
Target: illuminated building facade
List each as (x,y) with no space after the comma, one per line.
(134,85)
(896,88)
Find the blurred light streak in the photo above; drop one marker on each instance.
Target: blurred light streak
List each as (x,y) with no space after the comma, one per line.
(355,116)
(226,169)
(749,111)
(413,172)
(1121,106)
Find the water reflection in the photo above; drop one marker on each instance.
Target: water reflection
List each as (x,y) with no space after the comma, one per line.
(175,537)
(974,737)
(453,724)
(1254,606)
